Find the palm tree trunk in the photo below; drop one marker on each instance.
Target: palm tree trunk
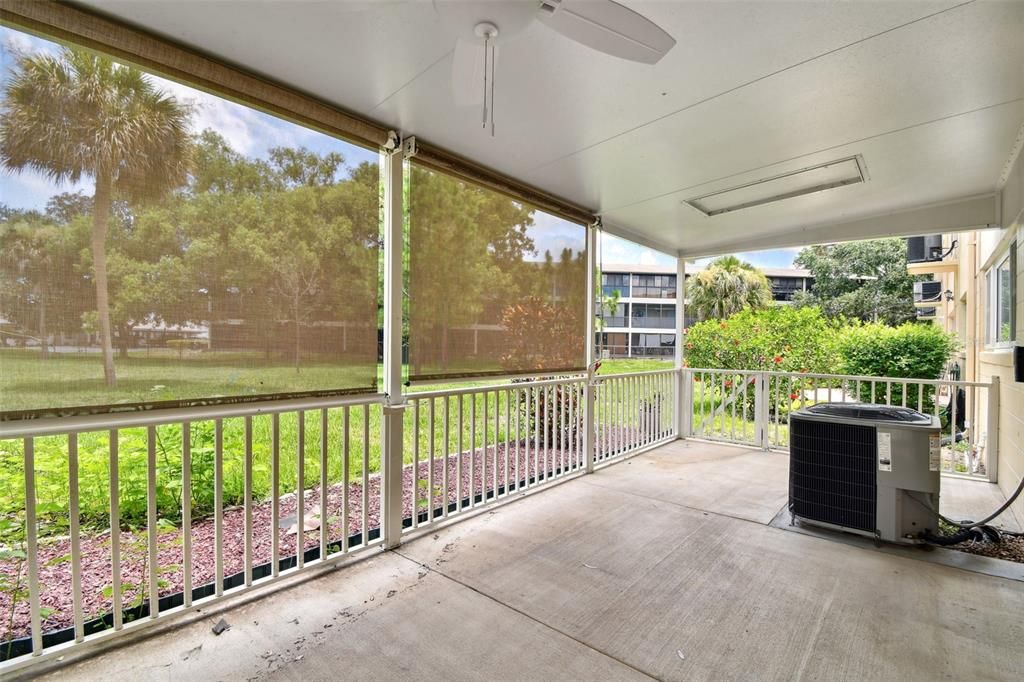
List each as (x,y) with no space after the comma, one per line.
(100,220)
(44,342)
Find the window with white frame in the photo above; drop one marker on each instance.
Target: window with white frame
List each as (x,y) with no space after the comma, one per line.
(1001,297)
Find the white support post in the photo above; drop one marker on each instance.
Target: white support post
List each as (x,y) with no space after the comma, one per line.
(680,416)
(391,460)
(992,435)
(762,410)
(589,329)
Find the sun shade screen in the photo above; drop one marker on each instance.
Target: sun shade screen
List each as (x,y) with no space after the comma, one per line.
(165,247)
(496,286)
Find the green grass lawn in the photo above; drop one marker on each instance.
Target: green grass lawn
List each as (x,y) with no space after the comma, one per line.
(26,383)
(73,379)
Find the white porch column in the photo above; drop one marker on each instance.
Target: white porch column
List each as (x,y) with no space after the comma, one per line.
(684,410)
(589,329)
(391,460)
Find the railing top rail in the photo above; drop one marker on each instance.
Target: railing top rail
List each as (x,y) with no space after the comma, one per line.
(604,377)
(52,426)
(849,377)
(440,393)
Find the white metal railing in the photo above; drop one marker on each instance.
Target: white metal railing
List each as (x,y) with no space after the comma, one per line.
(633,412)
(203,503)
(752,408)
(200,503)
(472,446)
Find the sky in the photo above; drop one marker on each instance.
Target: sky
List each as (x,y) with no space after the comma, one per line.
(253,133)
(247,130)
(616,250)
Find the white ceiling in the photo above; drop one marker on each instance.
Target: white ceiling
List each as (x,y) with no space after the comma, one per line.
(929,94)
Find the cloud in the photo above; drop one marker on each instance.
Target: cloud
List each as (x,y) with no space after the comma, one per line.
(612,249)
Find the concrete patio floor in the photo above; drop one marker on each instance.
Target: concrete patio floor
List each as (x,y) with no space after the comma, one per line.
(662,566)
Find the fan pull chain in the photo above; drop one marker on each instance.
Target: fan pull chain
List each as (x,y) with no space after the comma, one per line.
(492,90)
(483,121)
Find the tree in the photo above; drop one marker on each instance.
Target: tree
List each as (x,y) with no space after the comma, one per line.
(865,280)
(42,289)
(104,121)
(727,286)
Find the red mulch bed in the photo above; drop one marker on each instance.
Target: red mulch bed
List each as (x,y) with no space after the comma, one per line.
(55,573)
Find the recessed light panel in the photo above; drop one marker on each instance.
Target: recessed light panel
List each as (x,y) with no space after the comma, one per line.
(818,178)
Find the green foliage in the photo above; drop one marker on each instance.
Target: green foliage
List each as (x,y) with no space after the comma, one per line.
(780,338)
(864,280)
(541,335)
(914,351)
(727,286)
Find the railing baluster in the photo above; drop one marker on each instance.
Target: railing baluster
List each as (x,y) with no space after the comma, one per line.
(366,475)
(519,438)
(115,534)
(458,463)
(300,490)
(218,504)
(446,455)
(472,449)
(248,500)
(920,397)
(508,437)
(324,525)
(415,463)
(31,547)
(888,392)
(275,500)
(151,521)
(483,451)
(430,464)
(778,402)
(904,395)
(346,452)
(76,545)
(186,510)
(537,435)
(497,430)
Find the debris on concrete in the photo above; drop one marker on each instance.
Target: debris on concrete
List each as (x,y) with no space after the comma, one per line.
(220,627)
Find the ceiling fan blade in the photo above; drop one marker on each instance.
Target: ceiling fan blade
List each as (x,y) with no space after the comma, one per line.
(607,27)
(468,74)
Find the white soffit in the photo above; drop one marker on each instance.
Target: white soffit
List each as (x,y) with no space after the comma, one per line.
(929,94)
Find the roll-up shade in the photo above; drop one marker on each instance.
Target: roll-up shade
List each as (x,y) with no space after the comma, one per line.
(157,55)
(441,160)
(496,286)
(161,246)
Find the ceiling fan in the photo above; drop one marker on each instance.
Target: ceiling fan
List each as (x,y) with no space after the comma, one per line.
(481,27)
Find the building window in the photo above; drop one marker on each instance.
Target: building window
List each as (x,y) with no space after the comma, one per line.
(656,345)
(1001,300)
(783,288)
(615,282)
(654,286)
(654,315)
(618,317)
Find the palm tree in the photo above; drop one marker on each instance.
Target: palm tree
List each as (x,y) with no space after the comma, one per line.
(78,114)
(727,286)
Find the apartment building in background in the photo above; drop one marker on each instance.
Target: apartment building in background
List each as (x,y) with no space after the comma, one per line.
(643,323)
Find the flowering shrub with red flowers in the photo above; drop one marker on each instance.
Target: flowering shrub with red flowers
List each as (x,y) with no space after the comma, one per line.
(783,339)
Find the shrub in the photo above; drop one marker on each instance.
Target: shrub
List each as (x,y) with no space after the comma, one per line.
(917,351)
(913,351)
(780,338)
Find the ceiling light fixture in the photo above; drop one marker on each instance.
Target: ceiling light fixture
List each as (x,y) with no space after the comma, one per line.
(824,176)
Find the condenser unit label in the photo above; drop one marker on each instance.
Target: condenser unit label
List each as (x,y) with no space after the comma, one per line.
(934,453)
(884,451)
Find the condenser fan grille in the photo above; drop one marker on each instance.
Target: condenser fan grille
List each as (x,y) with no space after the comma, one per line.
(832,473)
